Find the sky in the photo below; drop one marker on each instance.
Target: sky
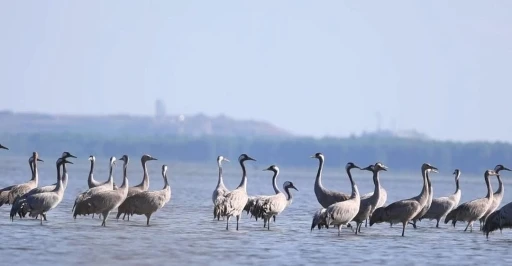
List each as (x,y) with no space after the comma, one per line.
(329,68)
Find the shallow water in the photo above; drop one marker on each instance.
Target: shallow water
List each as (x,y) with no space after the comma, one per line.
(183,232)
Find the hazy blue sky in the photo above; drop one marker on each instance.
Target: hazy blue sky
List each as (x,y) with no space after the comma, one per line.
(312,67)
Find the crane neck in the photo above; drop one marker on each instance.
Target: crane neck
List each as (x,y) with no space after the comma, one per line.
(31,164)
(355,191)
(243,183)
(318,180)
(125,176)
(429,183)
(145,179)
(274,182)
(220,181)
(376,182)
(457,187)
(90,179)
(424,190)
(166,182)
(289,194)
(489,187)
(500,185)
(111,174)
(59,178)
(64,175)
(35,177)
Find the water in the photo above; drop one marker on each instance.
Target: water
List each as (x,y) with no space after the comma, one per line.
(183,232)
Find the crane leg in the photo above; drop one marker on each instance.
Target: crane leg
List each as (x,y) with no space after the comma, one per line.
(237,219)
(104,223)
(148,216)
(41,219)
(366,223)
(44,216)
(403,228)
(413,224)
(227,222)
(437,224)
(470,223)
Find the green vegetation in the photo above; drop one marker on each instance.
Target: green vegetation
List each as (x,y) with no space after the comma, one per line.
(398,153)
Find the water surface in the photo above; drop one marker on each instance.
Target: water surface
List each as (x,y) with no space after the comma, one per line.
(183,232)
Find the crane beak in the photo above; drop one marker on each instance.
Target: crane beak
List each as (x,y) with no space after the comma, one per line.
(71,155)
(225,159)
(505,168)
(40,160)
(295,188)
(3,147)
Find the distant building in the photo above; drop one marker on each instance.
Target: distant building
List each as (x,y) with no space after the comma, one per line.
(160,109)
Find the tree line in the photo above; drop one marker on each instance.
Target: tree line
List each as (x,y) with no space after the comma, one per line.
(398,153)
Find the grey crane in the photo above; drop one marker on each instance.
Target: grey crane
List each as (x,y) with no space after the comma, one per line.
(91,182)
(324,196)
(220,190)
(427,205)
(148,202)
(21,189)
(271,206)
(254,203)
(497,196)
(382,199)
(81,198)
(40,203)
(368,205)
(403,211)
(4,192)
(319,218)
(499,219)
(235,200)
(143,186)
(440,207)
(103,202)
(16,206)
(343,212)
(472,211)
